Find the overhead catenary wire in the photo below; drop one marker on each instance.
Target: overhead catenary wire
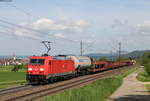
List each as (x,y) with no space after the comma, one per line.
(19,26)
(30,29)
(1,32)
(29,14)
(34,30)
(38,31)
(8,29)
(88,46)
(21,10)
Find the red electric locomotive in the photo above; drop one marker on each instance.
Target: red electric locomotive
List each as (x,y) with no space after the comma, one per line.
(45,68)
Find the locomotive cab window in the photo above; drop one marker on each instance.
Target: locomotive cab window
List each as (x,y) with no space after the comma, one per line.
(37,61)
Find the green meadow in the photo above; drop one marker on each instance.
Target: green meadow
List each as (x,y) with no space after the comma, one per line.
(9,78)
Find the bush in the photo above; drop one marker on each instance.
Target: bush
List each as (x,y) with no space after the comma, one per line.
(143,76)
(146,62)
(146,58)
(147,68)
(148,86)
(103,59)
(17,67)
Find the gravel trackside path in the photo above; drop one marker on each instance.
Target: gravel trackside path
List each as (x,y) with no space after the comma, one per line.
(131,90)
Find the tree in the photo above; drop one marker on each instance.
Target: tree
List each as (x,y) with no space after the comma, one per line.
(146,62)
(17,67)
(121,59)
(147,68)
(103,59)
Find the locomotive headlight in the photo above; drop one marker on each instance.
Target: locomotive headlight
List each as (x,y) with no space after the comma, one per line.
(41,69)
(29,69)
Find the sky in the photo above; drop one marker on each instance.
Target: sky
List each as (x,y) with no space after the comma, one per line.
(99,24)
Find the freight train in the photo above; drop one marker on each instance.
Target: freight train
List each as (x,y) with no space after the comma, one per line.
(44,69)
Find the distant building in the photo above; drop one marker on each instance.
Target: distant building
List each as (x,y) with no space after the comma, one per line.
(14,61)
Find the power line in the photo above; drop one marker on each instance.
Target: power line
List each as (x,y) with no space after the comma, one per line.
(19,26)
(6,22)
(88,46)
(4,26)
(119,50)
(21,10)
(38,31)
(8,28)
(29,14)
(81,48)
(3,32)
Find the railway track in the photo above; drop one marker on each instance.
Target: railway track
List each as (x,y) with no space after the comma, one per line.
(14,89)
(50,89)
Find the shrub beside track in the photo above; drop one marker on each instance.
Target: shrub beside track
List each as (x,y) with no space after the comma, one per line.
(143,76)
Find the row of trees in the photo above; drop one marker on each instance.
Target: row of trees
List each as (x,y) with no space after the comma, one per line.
(116,59)
(145,61)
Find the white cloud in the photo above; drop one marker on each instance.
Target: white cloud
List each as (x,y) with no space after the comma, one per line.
(43,27)
(134,36)
(118,23)
(59,35)
(143,29)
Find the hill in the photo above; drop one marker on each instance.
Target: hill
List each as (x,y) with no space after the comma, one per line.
(133,54)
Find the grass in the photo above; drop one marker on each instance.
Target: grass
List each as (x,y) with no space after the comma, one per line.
(10,79)
(11,85)
(11,76)
(6,68)
(9,68)
(100,90)
(143,76)
(148,86)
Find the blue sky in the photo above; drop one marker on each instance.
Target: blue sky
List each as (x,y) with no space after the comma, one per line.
(101,24)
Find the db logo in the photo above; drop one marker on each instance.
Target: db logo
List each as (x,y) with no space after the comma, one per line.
(36,69)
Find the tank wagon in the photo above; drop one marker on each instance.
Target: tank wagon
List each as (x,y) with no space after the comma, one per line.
(43,69)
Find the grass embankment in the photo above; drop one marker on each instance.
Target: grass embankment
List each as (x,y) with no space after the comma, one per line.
(148,86)
(10,79)
(143,76)
(100,90)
